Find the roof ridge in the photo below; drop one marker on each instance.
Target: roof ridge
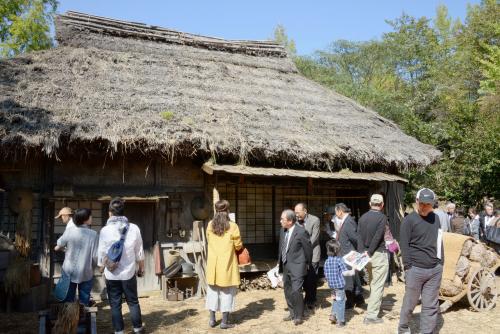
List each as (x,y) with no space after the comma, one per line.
(127,29)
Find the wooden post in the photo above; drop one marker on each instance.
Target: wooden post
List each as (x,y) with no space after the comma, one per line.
(273,208)
(42,321)
(93,320)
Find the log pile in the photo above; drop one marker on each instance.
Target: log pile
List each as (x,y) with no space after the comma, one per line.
(473,256)
(260,282)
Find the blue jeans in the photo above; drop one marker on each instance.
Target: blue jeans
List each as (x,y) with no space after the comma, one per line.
(84,289)
(129,289)
(338,305)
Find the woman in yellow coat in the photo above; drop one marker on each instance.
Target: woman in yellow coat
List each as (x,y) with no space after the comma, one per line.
(223,274)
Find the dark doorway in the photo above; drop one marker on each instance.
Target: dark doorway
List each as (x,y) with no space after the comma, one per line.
(143,215)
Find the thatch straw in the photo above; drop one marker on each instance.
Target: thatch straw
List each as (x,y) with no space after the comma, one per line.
(67,319)
(119,91)
(448,288)
(489,259)
(463,266)
(17,277)
(23,246)
(477,252)
(467,248)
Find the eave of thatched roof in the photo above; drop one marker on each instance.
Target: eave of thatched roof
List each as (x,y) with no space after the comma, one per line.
(211,168)
(154,90)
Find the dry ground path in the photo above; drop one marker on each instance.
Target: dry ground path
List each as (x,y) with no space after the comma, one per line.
(262,312)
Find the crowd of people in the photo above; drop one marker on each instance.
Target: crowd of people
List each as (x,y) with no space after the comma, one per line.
(481,226)
(421,247)
(118,252)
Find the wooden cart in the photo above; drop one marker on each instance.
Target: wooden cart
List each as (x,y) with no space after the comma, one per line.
(479,284)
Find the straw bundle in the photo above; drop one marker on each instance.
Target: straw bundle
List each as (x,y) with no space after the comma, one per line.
(22,245)
(477,252)
(17,277)
(463,266)
(67,318)
(489,258)
(449,289)
(467,248)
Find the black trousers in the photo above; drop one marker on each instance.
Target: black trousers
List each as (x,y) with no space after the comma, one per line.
(293,293)
(310,284)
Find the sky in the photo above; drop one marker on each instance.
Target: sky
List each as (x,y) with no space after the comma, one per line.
(313,24)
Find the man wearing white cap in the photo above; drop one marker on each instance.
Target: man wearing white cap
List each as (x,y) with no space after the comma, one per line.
(422,249)
(371,229)
(66,215)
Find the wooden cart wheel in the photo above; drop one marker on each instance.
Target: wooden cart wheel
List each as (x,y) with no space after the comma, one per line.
(482,290)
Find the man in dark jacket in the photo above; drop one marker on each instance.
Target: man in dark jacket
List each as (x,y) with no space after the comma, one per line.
(485,219)
(311,224)
(422,249)
(371,228)
(349,240)
(295,255)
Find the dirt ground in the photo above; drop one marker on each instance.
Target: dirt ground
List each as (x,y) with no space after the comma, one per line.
(262,311)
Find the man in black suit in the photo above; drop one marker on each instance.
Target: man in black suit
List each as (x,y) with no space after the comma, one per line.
(295,255)
(349,240)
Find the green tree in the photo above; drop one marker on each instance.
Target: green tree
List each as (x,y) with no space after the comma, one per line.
(281,37)
(438,79)
(25,25)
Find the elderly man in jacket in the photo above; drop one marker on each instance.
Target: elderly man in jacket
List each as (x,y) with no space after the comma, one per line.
(295,255)
(311,224)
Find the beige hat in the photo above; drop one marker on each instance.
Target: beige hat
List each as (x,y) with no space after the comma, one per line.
(64,211)
(376,199)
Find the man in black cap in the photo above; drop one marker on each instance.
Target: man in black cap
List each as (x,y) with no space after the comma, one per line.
(422,249)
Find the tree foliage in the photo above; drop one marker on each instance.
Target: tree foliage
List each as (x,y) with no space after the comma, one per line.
(25,25)
(281,37)
(438,79)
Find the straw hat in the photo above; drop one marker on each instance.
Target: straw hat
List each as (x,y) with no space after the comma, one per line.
(64,211)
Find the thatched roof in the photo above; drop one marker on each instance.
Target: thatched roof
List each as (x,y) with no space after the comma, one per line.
(129,86)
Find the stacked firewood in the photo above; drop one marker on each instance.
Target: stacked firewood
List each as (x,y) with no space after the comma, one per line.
(260,282)
(473,256)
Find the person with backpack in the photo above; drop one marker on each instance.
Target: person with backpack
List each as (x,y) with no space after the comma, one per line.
(121,258)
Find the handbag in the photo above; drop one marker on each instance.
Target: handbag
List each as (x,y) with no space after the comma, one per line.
(62,287)
(243,257)
(390,243)
(114,254)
